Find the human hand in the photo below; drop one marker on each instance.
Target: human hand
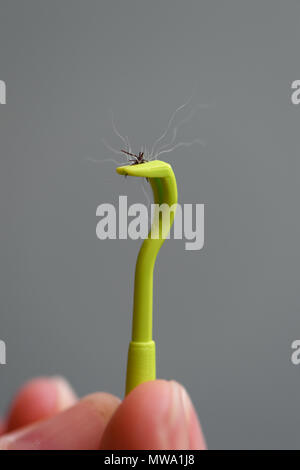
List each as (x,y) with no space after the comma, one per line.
(47,415)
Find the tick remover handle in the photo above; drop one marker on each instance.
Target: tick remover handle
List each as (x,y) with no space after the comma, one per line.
(140,364)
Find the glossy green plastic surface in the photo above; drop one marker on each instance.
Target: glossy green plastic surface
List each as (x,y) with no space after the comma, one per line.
(141,353)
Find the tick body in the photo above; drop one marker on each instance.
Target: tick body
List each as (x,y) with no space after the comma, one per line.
(138,159)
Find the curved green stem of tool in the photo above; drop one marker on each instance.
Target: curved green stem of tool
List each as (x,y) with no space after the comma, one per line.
(141,356)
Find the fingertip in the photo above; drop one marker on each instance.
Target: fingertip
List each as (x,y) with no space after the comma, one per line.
(155,415)
(2,427)
(39,399)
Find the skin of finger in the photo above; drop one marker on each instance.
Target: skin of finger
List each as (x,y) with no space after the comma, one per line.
(155,415)
(2,427)
(39,399)
(79,428)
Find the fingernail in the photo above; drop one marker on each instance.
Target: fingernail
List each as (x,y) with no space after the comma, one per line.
(65,395)
(195,436)
(175,432)
(79,427)
(182,429)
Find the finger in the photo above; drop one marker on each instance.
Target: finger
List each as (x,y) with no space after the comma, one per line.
(80,427)
(155,415)
(2,427)
(39,399)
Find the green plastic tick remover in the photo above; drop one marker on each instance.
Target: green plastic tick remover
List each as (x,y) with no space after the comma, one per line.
(141,354)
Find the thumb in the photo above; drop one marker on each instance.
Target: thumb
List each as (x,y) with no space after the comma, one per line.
(155,415)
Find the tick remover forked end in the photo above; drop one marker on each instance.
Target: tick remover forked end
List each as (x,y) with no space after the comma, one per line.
(141,354)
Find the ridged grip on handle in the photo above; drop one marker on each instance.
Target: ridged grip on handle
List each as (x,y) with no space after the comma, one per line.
(140,364)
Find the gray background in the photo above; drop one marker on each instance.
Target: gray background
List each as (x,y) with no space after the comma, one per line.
(227,315)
